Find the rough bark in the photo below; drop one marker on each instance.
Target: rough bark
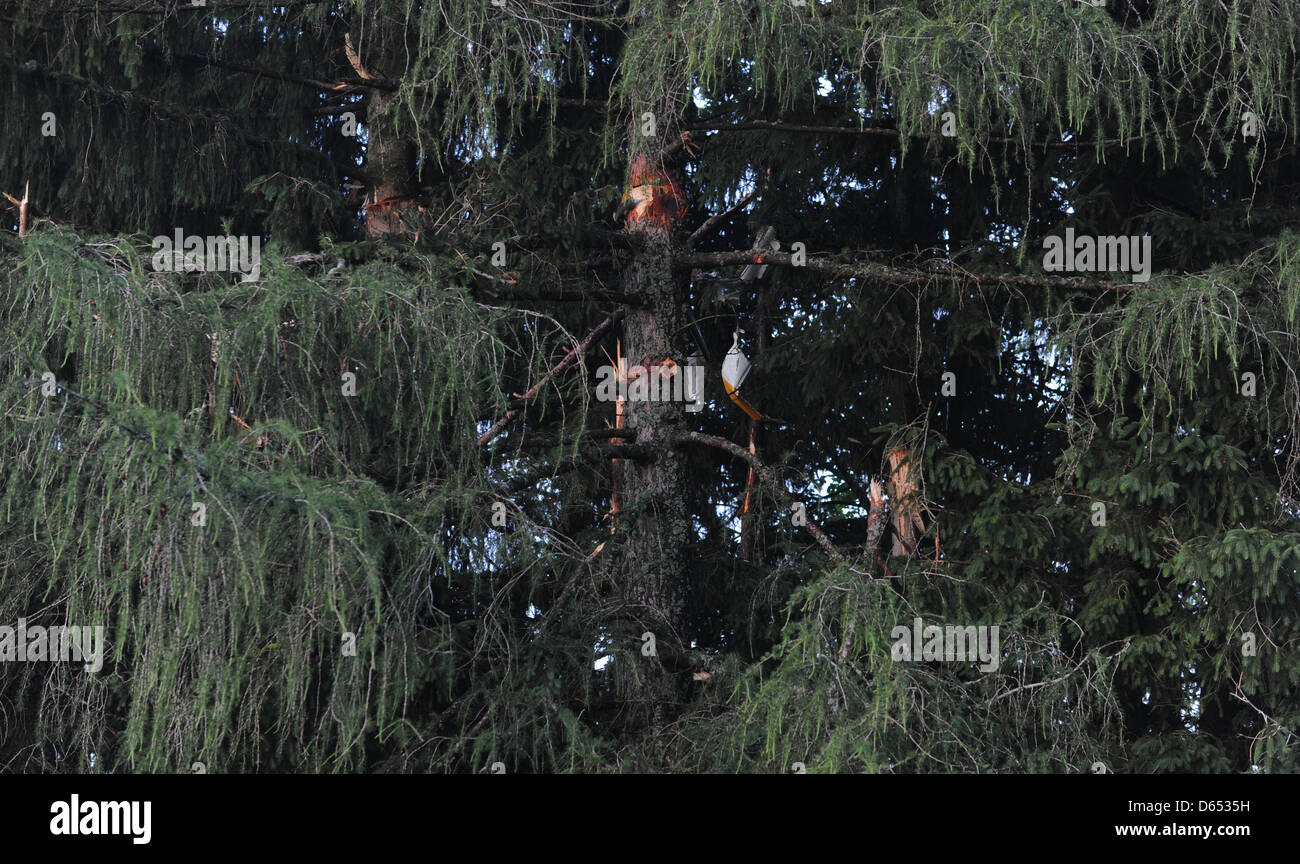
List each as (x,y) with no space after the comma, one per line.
(390,160)
(390,155)
(652,573)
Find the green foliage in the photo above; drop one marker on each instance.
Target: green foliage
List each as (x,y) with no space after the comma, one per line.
(372,515)
(226,636)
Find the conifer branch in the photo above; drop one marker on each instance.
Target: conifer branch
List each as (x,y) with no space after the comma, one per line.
(173,112)
(506,287)
(574,352)
(183,6)
(768,476)
(275,74)
(592,452)
(886,132)
(898,275)
(542,440)
(713,221)
(576,295)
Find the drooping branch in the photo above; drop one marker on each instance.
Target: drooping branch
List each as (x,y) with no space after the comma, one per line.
(768,476)
(574,353)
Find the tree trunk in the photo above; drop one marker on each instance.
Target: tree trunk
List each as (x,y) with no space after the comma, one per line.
(652,574)
(390,156)
(390,160)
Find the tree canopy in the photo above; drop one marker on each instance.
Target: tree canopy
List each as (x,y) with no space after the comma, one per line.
(365,509)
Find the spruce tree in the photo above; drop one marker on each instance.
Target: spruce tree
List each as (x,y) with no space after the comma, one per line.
(366,509)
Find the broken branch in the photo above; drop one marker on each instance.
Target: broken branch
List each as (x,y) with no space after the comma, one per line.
(768,476)
(574,352)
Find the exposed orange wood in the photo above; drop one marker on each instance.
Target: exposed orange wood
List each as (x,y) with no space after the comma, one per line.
(747,520)
(22,208)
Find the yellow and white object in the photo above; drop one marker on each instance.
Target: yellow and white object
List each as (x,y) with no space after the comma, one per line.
(735,368)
